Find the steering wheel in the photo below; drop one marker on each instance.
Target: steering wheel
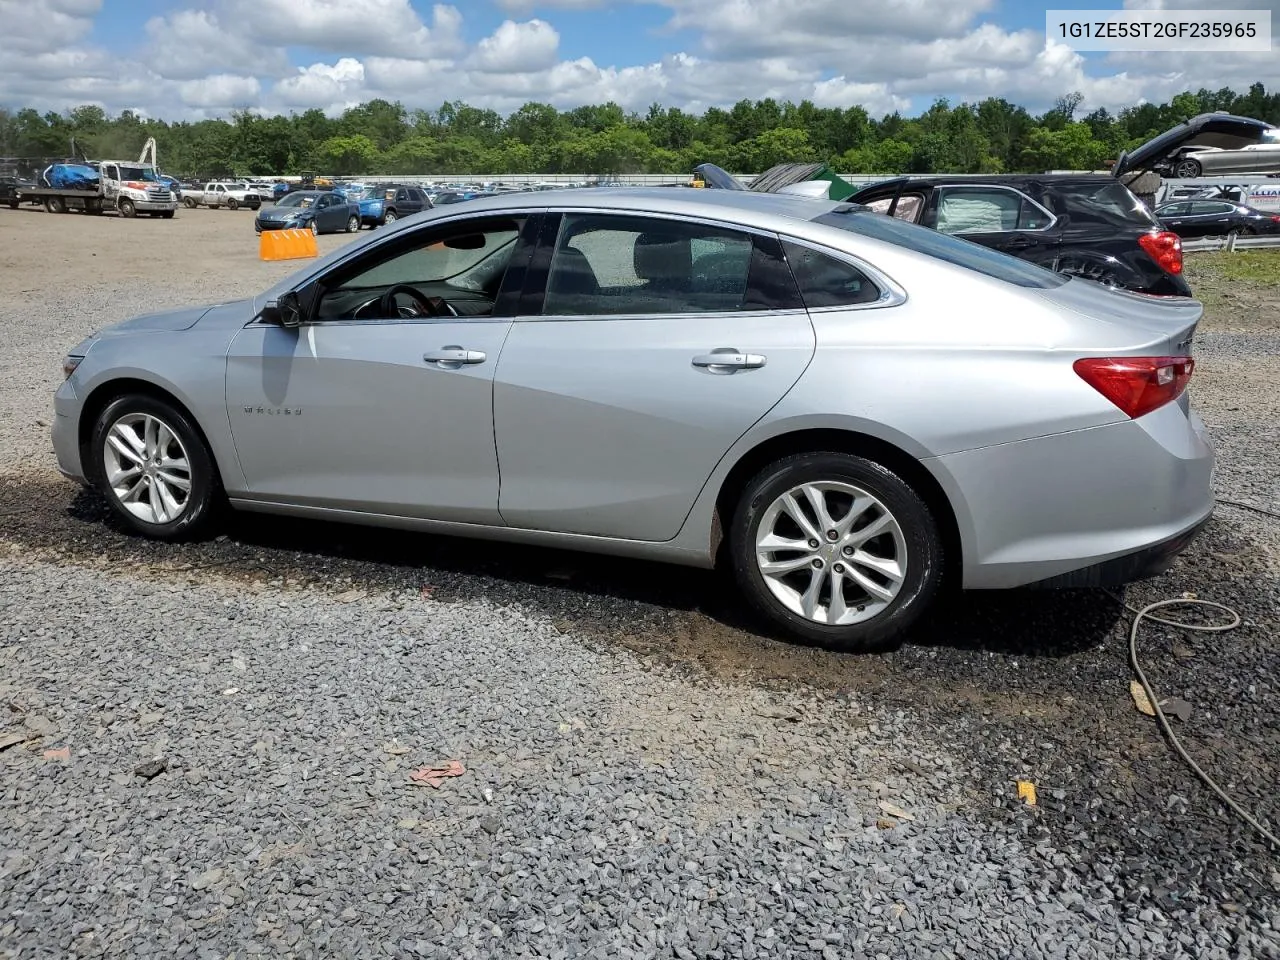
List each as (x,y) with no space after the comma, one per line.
(426,306)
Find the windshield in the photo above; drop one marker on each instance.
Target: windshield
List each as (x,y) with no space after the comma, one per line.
(138,173)
(952,249)
(297,200)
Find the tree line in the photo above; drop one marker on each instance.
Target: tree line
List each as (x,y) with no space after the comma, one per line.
(380,137)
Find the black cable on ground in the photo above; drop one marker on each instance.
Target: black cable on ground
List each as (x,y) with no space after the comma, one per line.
(1249,506)
(1139,615)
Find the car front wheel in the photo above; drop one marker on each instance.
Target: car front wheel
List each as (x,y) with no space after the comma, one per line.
(154,469)
(837,550)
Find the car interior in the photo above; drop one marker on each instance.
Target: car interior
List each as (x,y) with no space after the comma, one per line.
(658,269)
(458,274)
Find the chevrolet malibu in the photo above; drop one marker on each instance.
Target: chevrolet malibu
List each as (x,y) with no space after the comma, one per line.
(844,409)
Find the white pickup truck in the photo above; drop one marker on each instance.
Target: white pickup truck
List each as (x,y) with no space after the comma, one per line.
(231,194)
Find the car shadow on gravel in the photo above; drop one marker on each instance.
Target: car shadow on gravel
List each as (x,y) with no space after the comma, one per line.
(599,593)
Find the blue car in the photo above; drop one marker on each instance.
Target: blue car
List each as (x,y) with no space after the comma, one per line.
(389,202)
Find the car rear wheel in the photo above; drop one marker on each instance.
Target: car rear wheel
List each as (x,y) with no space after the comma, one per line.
(1187,169)
(154,469)
(353,223)
(837,550)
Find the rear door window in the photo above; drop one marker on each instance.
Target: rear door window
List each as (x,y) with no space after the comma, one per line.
(977,210)
(627,265)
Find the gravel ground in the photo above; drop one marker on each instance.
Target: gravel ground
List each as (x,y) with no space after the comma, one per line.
(644,773)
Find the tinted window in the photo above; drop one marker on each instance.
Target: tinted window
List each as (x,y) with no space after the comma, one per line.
(1110,204)
(1210,206)
(826,281)
(611,265)
(963,253)
(1174,210)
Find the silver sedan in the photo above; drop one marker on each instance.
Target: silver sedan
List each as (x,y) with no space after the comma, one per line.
(847,410)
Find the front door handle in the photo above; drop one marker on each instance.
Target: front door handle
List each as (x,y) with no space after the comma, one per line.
(1019,243)
(453,356)
(727,360)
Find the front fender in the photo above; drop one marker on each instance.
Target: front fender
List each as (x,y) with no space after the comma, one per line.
(190,366)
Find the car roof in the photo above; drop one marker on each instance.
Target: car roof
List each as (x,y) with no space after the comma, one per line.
(741,206)
(996,179)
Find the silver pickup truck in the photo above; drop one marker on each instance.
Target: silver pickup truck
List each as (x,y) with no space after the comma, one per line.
(231,194)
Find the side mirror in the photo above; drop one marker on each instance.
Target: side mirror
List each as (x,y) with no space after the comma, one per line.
(290,310)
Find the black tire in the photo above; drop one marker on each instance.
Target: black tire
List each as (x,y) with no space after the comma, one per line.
(190,203)
(353,223)
(167,214)
(233,203)
(389,217)
(127,209)
(55,205)
(204,499)
(13,204)
(923,550)
(1187,169)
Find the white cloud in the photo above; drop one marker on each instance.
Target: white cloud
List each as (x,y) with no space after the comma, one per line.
(887,55)
(517,48)
(192,43)
(39,26)
(222,91)
(323,85)
(377,27)
(524,6)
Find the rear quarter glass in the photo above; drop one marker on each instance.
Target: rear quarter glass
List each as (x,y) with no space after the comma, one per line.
(1104,204)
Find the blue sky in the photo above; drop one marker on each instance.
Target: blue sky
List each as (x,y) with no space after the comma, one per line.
(182,58)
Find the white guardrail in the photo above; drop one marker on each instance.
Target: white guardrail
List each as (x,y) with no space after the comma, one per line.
(1230,243)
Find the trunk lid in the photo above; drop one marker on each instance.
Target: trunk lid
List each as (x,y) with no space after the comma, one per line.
(1149,325)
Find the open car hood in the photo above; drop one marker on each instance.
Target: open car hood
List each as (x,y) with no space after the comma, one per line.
(1222,130)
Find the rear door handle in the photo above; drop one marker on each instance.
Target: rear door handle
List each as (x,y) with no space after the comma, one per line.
(453,356)
(1020,243)
(728,359)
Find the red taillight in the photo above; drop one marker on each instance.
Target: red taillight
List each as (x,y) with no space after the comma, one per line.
(1276,219)
(1137,385)
(1165,249)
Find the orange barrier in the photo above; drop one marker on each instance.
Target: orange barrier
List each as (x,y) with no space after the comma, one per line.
(286,244)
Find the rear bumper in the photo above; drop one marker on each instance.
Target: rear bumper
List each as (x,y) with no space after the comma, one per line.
(1140,565)
(1099,504)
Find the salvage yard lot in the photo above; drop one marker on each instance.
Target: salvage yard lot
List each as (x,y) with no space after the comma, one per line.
(644,773)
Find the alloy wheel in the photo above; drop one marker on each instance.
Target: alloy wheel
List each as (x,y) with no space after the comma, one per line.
(831,552)
(147,468)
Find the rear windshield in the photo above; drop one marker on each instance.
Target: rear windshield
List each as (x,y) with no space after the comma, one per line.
(952,249)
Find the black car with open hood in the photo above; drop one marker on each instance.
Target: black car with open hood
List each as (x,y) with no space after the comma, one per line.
(1223,131)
